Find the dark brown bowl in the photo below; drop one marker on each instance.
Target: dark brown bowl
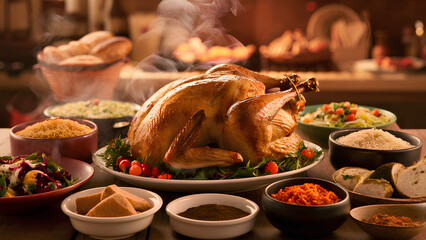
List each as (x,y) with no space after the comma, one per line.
(81,147)
(413,211)
(346,156)
(305,221)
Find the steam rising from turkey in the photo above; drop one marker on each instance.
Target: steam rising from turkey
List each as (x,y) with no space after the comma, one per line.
(176,22)
(179,20)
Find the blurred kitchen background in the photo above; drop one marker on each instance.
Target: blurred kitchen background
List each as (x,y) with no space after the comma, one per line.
(368,52)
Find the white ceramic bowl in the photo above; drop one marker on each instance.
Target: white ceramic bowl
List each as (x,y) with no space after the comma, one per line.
(211,229)
(113,227)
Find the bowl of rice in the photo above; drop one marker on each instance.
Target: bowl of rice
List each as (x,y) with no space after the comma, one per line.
(56,137)
(370,148)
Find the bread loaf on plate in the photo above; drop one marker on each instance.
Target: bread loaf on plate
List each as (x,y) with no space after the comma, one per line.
(411,181)
(389,172)
(349,177)
(375,188)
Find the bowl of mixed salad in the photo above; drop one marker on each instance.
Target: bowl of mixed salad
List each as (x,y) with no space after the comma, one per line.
(316,122)
(28,183)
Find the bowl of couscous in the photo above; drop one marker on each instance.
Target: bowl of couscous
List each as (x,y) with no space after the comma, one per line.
(56,137)
(112,117)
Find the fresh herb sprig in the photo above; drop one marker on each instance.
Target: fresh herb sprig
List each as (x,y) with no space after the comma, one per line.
(119,147)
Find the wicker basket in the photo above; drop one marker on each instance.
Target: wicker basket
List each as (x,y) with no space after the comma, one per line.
(81,82)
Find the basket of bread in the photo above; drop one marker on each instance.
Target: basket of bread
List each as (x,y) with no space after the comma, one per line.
(86,68)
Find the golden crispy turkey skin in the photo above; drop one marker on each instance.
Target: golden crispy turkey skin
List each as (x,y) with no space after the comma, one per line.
(227,108)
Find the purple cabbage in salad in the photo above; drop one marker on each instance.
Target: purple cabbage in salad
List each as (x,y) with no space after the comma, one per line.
(31,175)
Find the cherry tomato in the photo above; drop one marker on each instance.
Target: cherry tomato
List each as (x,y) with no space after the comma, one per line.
(326,107)
(135,162)
(307,120)
(307,152)
(146,169)
(375,112)
(119,159)
(165,176)
(350,117)
(271,167)
(135,170)
(353,110)
(347,104)
(124,165)
(155,171)
(340,111)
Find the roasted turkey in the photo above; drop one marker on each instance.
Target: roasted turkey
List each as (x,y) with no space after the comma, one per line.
(223,117)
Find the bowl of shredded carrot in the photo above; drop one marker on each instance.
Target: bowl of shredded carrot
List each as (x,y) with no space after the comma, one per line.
(306,207)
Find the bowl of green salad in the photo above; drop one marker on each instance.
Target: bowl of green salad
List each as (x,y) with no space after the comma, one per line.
(112,117)
(317,122)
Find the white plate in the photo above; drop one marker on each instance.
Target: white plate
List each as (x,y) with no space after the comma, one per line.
(319,24)
(225,185)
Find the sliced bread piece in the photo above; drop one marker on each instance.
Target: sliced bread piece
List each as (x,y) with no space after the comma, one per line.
(375,188)
(115,205)
(85,203)
(389,172)
(137,202)
(411,181)
(349,177)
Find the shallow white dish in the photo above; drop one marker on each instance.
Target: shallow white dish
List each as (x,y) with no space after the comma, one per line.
(225,185)
(113,227)
(211,229)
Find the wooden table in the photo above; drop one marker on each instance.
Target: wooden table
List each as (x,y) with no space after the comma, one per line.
(51,223)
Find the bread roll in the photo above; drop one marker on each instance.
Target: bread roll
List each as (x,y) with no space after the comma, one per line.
(74,48)
(112,49)
(53,55)
(93,38)
(82,60)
